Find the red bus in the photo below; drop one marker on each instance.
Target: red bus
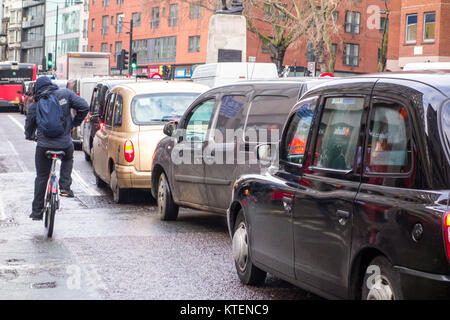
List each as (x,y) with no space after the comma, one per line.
(12,82)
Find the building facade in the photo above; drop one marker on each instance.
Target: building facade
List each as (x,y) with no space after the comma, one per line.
(71,33)
(421,33)
(33,22)
(12,27)
(176,33)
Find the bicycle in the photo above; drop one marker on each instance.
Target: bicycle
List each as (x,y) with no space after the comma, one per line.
(51,199)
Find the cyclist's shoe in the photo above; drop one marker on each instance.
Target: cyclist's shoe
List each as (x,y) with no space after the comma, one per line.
(66,193)
(36,215)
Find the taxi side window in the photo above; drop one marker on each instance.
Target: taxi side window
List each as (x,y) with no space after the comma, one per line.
(110,110)
(338,133)
(297,133)
(118,111)
(389,144)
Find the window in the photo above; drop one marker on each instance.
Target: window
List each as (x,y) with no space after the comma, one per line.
(118,111)
(198,122)
(93,25)
(411,28)
(267,114)
(338,133)
(173,15)
(105,3)
(268,11)
(334,48)
(111,48)
(310,57)
(383,22)
(195,11)
(119,23)
(428,30)
(110,111)
(118,48)
(352,22)
(230,116)
(335,15)
(389,147)
(194,44)
(445,125)
(119,2)
(112,20)
(351,55)
(136,19)
(104,47)
(297,133)
(151,108)
(155,17)
(105,20)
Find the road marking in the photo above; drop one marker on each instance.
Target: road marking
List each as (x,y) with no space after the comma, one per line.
(84,184)
(2,211)
(20,125)
(19,161)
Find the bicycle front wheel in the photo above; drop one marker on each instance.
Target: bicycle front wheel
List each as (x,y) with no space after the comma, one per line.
(51,215)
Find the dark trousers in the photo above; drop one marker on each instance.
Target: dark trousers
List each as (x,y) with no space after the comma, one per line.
(43,167)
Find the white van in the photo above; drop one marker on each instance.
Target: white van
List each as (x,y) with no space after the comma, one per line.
(422,66)
(222,73)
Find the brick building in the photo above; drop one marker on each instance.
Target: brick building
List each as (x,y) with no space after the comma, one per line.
(176,33)
(421,33)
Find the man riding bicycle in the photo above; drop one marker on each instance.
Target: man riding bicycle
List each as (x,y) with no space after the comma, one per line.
(47,96)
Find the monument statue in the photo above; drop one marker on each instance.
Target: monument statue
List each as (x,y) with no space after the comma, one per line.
(236,7)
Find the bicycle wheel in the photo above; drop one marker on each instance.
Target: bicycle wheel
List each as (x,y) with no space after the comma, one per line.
(51,215)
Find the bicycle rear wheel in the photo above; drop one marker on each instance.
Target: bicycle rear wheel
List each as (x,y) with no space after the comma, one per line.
(50,219)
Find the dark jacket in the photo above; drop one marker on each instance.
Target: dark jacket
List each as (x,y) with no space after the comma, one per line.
(67,99)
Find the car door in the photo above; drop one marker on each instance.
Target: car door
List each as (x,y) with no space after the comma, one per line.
(271,216)
(324,203)
(221,158)
(187,155)
(101,140)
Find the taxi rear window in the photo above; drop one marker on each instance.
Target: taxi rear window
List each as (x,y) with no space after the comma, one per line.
(445,125)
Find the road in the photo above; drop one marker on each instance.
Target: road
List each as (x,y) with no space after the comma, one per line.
(101,250)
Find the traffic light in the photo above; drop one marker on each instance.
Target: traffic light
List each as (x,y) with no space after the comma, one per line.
(125,58)
(166,72)
(134,60)
(49,60)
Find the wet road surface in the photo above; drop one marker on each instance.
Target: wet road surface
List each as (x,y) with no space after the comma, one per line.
(101,250)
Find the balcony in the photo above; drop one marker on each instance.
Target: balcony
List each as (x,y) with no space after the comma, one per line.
(36,21)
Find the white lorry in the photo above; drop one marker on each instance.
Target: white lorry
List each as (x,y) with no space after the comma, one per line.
(78,65)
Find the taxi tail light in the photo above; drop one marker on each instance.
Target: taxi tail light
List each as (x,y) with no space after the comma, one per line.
(447,233)
(101,125)
(128,151)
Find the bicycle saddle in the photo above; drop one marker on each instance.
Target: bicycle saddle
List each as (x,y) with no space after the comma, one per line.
(59,154)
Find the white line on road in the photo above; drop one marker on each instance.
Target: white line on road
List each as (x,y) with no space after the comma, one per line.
(20,125)
(2,211)
(84,184)
(19,161)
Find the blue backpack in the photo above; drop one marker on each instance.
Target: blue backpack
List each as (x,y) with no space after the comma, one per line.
(50,116)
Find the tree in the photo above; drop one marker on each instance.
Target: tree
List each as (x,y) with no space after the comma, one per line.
(384,42)
(321,30)
(278,24)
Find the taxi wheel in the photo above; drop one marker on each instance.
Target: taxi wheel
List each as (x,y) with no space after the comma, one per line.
(247,272)
(167,208)
(120,195)
(381,281)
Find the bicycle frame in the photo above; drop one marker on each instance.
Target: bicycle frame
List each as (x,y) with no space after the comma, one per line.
(52,185)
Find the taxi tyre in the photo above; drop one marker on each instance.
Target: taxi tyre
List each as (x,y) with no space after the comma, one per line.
(388,280)
(167,208)
(120,195)
(249,274)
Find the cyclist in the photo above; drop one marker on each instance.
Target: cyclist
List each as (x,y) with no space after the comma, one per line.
(67,99)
